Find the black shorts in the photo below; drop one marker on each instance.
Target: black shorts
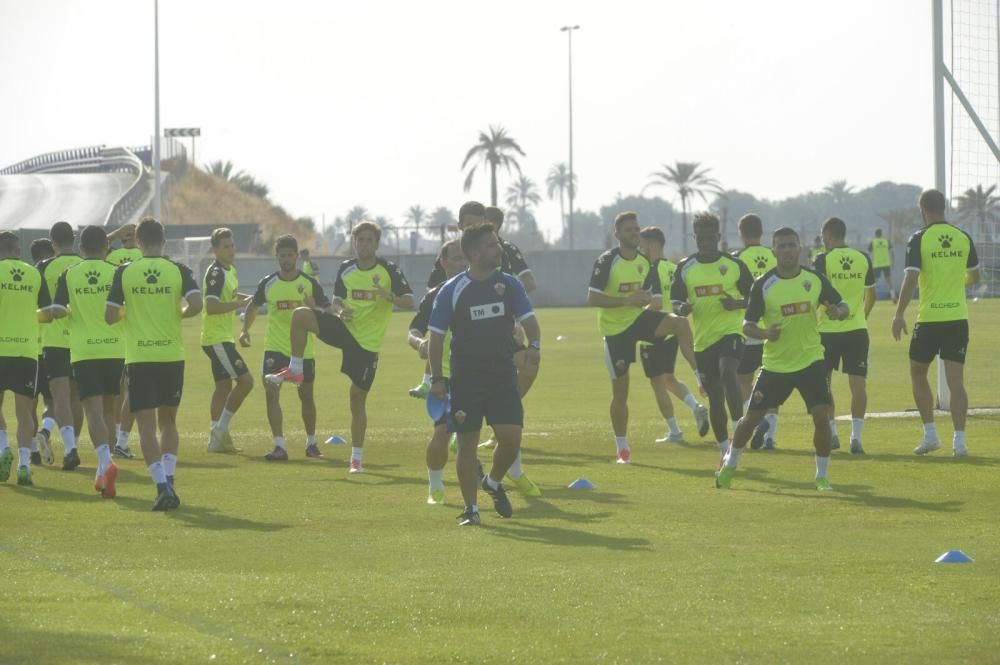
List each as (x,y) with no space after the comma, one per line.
(846,351)
(753,358)
(659,358)
(357,362)
(729,346)
(949,339)
(18,375)
(275,361)
(42,382)
(619,350)
(152,385)
(771,389)
(98,377)
(884,271)
(55,363)
(492,395)
(227,363)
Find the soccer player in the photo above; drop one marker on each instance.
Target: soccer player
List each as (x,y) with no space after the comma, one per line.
(758,260)
(881,253)
(97,350)
(21,294)
(784,301)
(942,260)
(222,298)
(845,341)
(56,364)
(309,267)
(283,292)
(366,290)
(479,308)
(622,285)
(659,359)
(817,248)
(158,294)
(711,288)
(122,255)
(41,249)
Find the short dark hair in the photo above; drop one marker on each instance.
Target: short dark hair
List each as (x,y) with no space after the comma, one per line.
(94,240)
(653,233)
(304,252)
(836,228)
(750,226)
(41,248)
(286,241)
(218,235)
(878,233)
(933,202)
(784,231)
(494,216)
(367,226)
(705,219)
(61,234)
(625,216)
(9,243)
(149,232)
(472,237)
(470,209)
(450,243)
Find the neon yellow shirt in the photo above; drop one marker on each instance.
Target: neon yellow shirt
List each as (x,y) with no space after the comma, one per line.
(282,297)
(83,291)
(942,254)
(56,333)
(851,273)
(21,293)
(879,247)
(123,255)
(704,284)
(220,284)
(616,276)
(355,287)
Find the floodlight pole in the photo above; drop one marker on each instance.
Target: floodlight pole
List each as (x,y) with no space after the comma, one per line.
(940,179)
(569,29)
(157,209)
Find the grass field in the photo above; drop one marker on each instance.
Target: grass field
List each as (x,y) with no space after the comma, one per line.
(302,563)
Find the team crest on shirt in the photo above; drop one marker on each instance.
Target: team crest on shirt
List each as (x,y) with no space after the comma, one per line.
(500,288)
(460,417)
(639,268)
(302,288)
(807,285)
(723,269)
(239,363)
(758,397)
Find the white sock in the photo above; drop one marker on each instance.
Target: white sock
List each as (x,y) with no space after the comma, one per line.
(122,441)
(24,456)
(310,439)
(224,419)
(492,483)
(772,420)
(516,470)
(4,444)
(930,432)
(959,439)
(169,464)
(156,471)
(856,425)
(621,442)
(49,424)
(427,380)
(723,446)
(279,442)
(356,453)
(691,401)
(733,457)
(473,508)
(436,478)
(103,458)
(295,364)
(68,437)
(833,427)
(821,464)
(672,424)
(213,424)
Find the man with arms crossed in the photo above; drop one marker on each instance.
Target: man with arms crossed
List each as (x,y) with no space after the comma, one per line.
(942,260)
(784,301)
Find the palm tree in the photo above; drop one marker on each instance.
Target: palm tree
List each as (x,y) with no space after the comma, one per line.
(688,179)
(839,191)
(495,149)
(356,215)
(981,207)
(222,170)
(523,193)
(415,216)
(558,180)
(443,219)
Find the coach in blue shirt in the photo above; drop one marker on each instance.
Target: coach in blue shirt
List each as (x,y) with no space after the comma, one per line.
(479,307)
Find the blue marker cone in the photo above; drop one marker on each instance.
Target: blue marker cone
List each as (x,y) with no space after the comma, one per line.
(581,484)
(437,408)
(954,556)
(336,440)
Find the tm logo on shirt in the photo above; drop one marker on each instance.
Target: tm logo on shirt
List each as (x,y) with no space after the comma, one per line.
(361,294)
(629,287)
(795,308)
(491,311)
(708,290)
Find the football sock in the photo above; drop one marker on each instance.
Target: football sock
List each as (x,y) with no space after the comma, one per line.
(224,419)
(733,457)
(621,442)
(492,483)
(691,401)
(24,456)
(723,446)
(472,509)
(672,424)
(213,424)
(833,427)
(169,464)
(356,453)
(436,478)
(49,424)
(772,420)
(856,425)
(157,473)
(68,437)
(103,458)
(821,464)
(310,439)
(427,380)
(516,470)
(959,438)
(279,442)
(930,432)
(4,444)
(295,364)
(122,441)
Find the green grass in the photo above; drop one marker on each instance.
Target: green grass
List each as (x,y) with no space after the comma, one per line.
(301,563)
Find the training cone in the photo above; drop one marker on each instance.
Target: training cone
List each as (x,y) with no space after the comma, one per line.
(336,440)
(581,484)
(954,556)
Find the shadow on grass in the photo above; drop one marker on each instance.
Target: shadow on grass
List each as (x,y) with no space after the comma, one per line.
(870,455)
(553,535)
(51,646)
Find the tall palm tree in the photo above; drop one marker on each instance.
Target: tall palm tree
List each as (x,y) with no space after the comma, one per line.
(356,215)
(443,219)
(523,193)
(496,150)
(223,170)
(839,191)
(688,180)
(415,216)
(558,180)
(981,207)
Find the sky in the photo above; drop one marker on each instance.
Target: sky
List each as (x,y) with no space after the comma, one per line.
(375,103)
